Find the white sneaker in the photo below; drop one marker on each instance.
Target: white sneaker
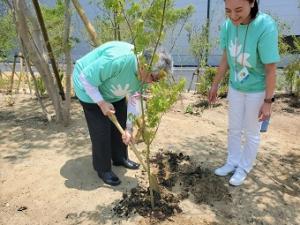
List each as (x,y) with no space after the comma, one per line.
(225,170)
(238,177)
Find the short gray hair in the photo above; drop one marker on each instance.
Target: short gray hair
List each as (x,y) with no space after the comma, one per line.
(164,61)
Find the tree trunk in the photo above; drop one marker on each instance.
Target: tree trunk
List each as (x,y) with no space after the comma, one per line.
(38,95)
(27,63)
(48,46)
(36,32)
(68,61)
(116,25)
(37,58)
(12,78)
(88,25)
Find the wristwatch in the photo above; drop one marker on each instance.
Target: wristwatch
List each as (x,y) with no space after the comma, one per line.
(269,100)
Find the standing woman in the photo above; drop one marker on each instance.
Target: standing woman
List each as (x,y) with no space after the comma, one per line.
(249,39)
(102,80)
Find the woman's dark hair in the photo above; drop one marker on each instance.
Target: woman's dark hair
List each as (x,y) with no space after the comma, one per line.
(254,9)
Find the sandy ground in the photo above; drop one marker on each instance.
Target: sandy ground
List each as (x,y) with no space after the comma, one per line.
(46,175)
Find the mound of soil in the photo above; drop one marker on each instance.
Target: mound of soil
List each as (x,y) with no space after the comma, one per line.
(138,201)
(180,174)
(179,178)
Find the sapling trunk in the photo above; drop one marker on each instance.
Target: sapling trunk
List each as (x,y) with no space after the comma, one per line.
(152,178)
(149,175)
(150,120)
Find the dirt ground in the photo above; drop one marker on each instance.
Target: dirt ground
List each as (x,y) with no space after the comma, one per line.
(46,175)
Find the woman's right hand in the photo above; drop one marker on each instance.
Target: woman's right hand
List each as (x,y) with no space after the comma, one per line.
(127,137)
(212,94)
(106,108)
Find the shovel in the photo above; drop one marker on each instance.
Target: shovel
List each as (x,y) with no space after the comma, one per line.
(153,180)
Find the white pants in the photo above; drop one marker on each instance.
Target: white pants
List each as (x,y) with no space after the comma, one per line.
(243,122)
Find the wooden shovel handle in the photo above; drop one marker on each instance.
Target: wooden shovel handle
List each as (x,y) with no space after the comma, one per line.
(153,179)
(115,121)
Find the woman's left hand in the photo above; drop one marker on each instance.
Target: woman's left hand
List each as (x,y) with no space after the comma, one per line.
(264,112)
(127,137)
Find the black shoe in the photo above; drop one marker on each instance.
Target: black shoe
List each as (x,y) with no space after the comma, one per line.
(127,163)
(109,178)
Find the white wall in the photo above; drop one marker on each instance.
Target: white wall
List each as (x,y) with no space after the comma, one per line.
(285,11)
(288,11)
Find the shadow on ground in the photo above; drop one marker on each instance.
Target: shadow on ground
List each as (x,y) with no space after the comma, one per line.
(79,174)
(29,131)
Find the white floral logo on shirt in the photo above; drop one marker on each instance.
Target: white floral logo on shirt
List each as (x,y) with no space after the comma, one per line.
(120,91)
(234,48)
(243,59)
(235,52)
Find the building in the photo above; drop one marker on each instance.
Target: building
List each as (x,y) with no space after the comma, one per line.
(286,11)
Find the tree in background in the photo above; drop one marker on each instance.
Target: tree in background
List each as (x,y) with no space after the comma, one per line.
(292,70)
(199,44)
(291,50)
(67,46)
(112,25)
(200,47)
(37,47)
(54,18)
(8,38)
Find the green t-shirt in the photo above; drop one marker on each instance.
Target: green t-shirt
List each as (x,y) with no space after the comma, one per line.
(248,49)
(112,67)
